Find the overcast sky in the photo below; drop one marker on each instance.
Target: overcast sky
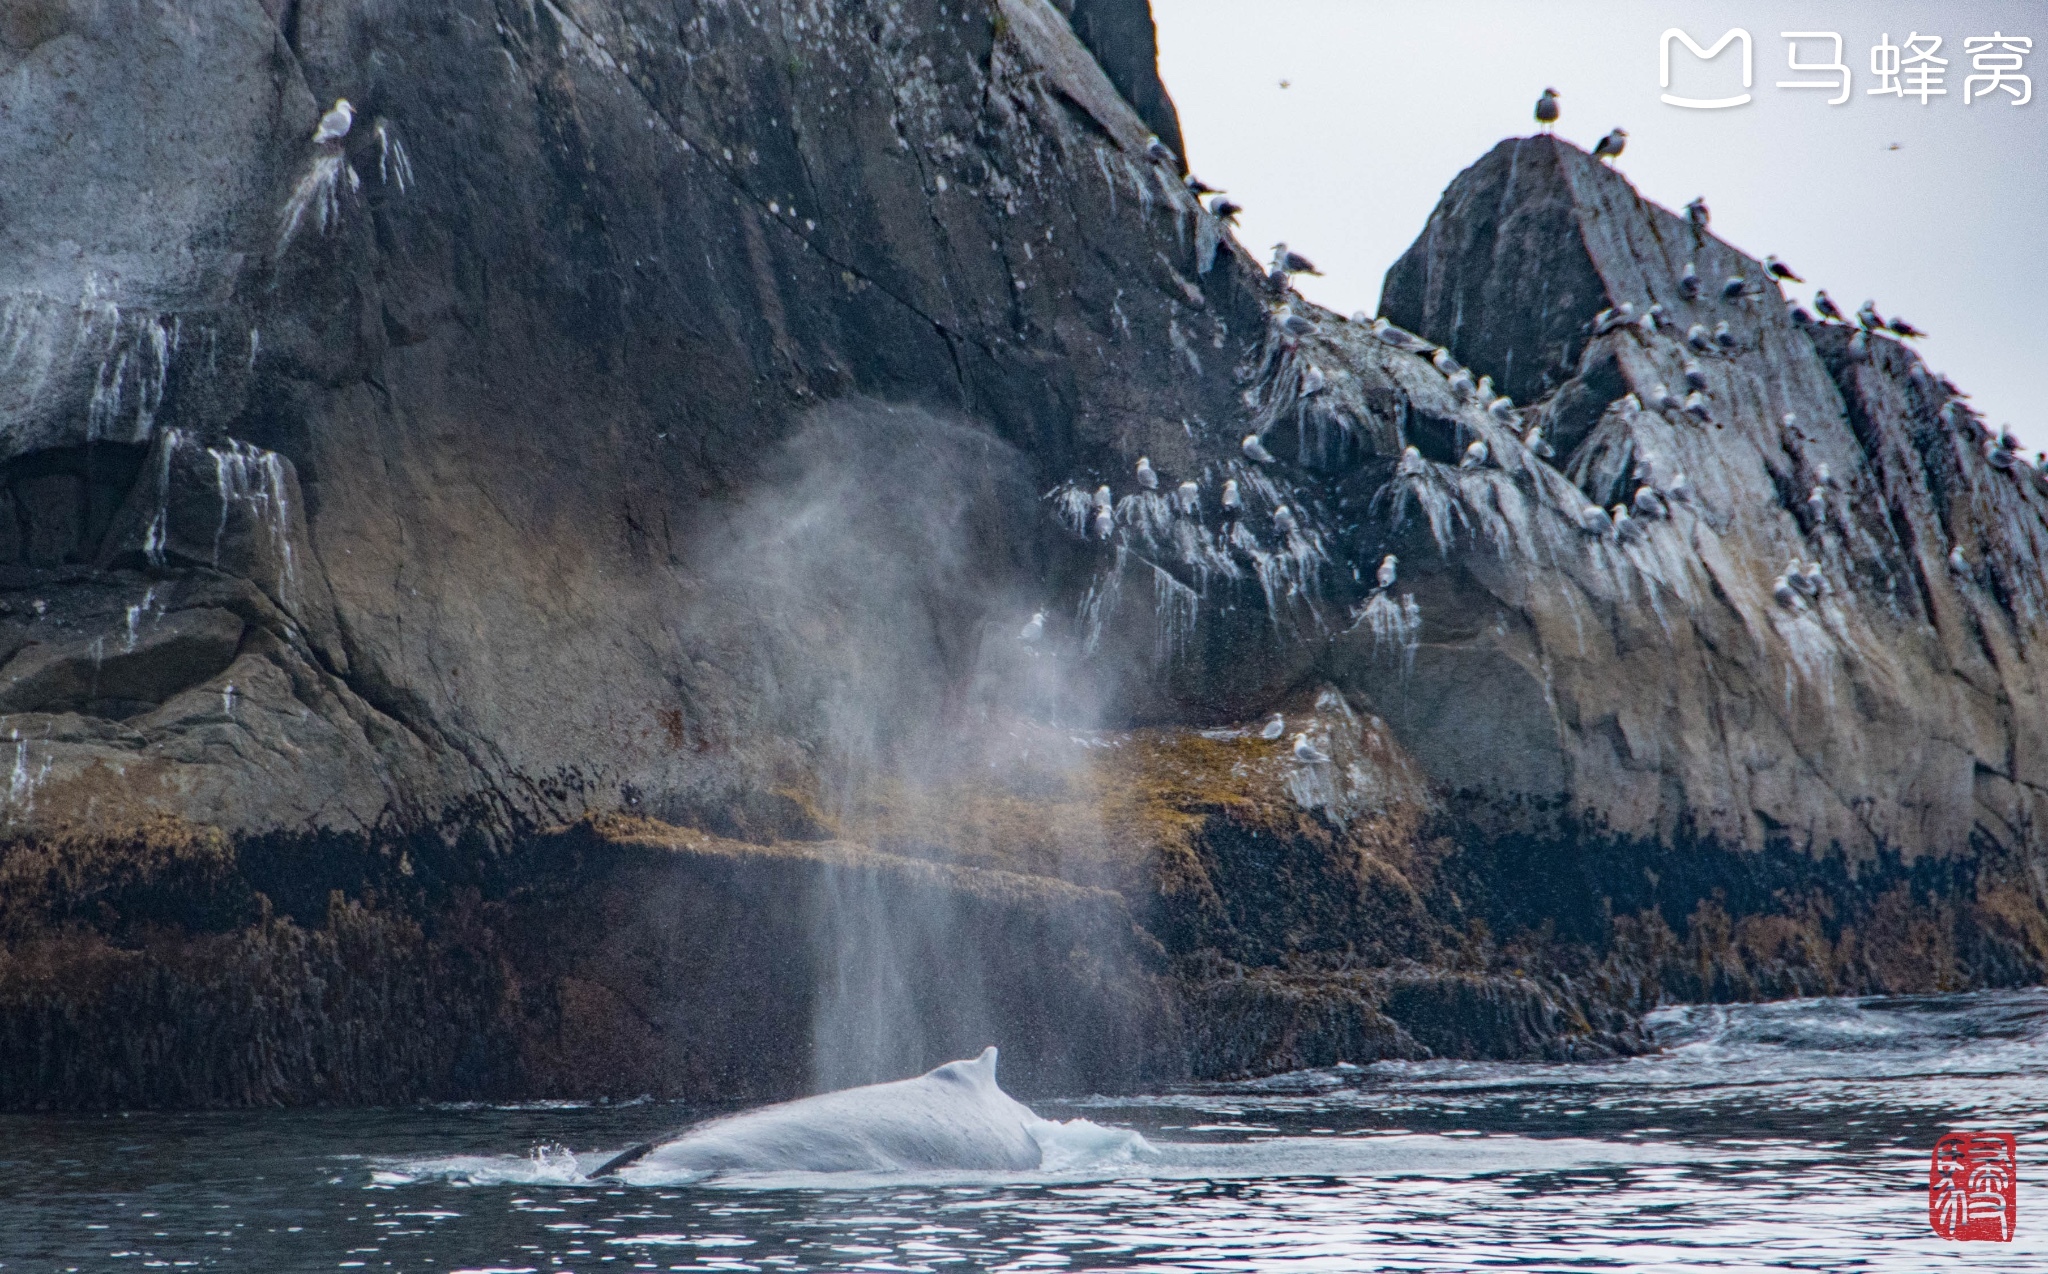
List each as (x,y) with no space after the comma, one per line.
(1384,103)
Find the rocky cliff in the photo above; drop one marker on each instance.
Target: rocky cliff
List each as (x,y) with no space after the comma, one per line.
(524,598)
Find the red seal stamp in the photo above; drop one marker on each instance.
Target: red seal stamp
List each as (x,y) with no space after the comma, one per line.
(1971,1185)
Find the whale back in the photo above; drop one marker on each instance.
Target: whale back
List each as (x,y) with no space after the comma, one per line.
(952,1117)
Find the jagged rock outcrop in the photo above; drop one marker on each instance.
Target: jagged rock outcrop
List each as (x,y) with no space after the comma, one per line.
(675,412)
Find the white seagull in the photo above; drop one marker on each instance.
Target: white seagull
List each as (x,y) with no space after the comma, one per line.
(1389,565)
(1283,519)
(1233,503)
(1695,375)
(1105,522)
(1255,450)
(1475,456)
(1651,505)
(1412,464)
(1625,528)
(1696,406)
(1148,478)
(1190,497)
(1274,728)
(1538,445)
(1611,146)
(1308,753)
(334,125)
(1103,497)
(1034,629)
(1593,520)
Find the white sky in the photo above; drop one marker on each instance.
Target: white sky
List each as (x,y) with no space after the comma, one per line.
(1388,101)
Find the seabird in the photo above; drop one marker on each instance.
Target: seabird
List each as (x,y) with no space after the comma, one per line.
(1902,328)
(1233,503)
(1158,151)
(1649,504)
(1502,409)
(1797,313)
(1275,728)
(1822,474)
(1817,507)
(1445,363)
(1614,316)
(1412,464)
(1734,287)
(1696,406)
(1283,519)
(1307,753)
(1389,566)
(2008,439)
(1679,488)
(334,125)
(1538,445)
(1610,146)
(1105,522)
(1104,497)
(1788,597)
(1698,337)
(1197,187)
(1779,270)
(1256,450)
(1859,347)
(1462,383)
(1957,562)
(1292,262)
(1665,399)
(1868,316)
(1148,478)
(1484,392)
(1696,213)
(1546,109)
(1816,582)
(1689,283)
(1723,337)
(1291,323)
(1190,497)
(1475,456)
(1825,306)
(1388,334)
(1625,528)
(1224,210)
(1313,381)
(1695,375)
(1652,319)
(1999,455)
(1593,520)
(1034,629)
(1795,575)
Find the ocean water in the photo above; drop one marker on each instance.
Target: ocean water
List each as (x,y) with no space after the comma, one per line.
(1780,1136)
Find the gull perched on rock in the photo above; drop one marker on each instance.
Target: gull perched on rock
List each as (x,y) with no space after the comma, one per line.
(1593,520)
(1224,210)
(334,125)
(1308,753)
(1649,504)
(1689,283)
(1615,316)
(1699,338)
(1255,450)
(1291,323)
(1475,456)
(1197,187)
(1148,477)
(1779,270)
(1723,337)
(1665,399)
(1679,488)
(1462,383)
(1788,596)
(1538,445)
(1795,575)
(1445,363)
(1412,465)
(1817,506)
(1652,319)
(1611,146)
(1189,495)
(1696,213)
(1797,313)
(1824,305)
(1289,262)
(1696,406)
(1233,503)
(1104,497)
(1695,375)
(1546,109)
(1902,328)
(1105,523)
(1867,315)
(1859,347)
(1034,629)
(1502,409)
(1735,286)
(1283,519)
(1957,562)
(2000,455)
(1158,151)
(1387,334)
(1389,566)
(1625,528)
(1313,381)
(1275,728)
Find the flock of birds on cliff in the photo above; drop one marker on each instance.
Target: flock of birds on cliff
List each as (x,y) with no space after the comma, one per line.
(1655,492)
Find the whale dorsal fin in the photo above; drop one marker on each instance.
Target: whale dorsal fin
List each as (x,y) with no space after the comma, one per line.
(982,1070)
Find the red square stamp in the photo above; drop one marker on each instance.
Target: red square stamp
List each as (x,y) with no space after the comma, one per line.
(1971,1186)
